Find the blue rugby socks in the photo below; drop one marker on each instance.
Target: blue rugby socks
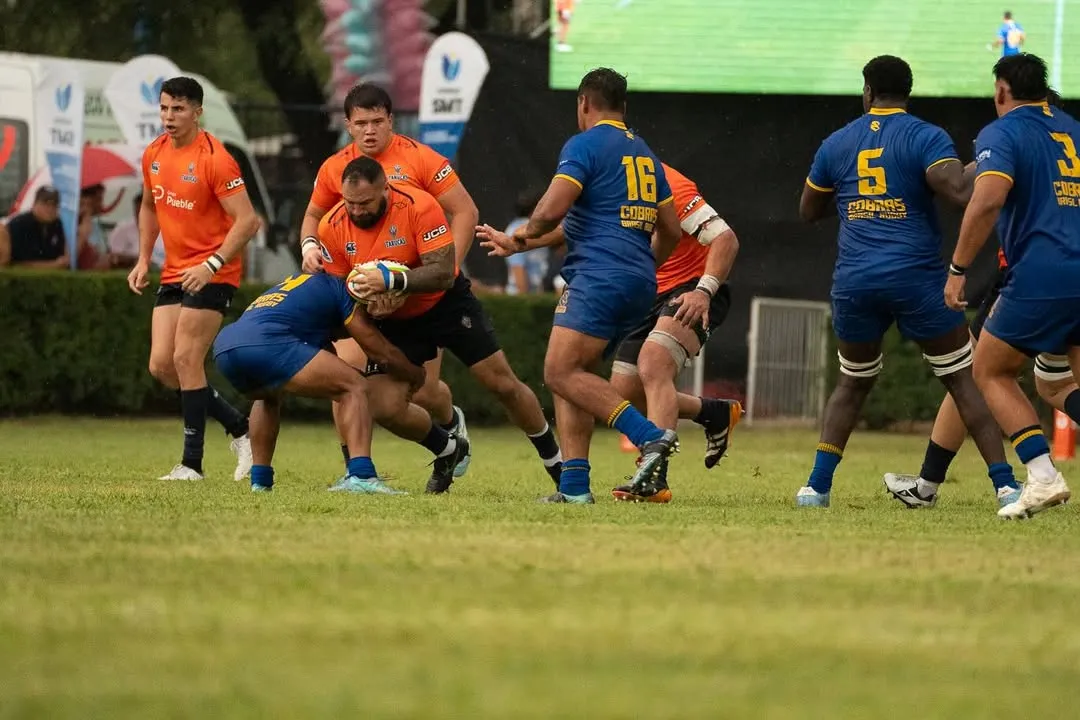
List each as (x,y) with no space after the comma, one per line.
(361,467)
(825,461)
(1032,449)
(262,476)
(574,480)
(631,423)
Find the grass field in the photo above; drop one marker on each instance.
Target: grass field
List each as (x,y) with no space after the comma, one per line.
(121,596)
(810,47)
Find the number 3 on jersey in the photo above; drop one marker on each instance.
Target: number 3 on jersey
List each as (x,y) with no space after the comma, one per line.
(640,178)
(871,179)
(1071,168)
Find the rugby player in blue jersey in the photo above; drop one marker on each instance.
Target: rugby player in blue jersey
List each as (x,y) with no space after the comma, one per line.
(1028,182)
(610,194)
(880,174)
(282,345)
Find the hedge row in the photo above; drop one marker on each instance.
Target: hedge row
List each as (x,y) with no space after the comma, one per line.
(79,343)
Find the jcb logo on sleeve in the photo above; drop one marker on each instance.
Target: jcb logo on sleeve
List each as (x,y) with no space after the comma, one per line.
(432,234)
(692,204)
(233,184)
(444,173)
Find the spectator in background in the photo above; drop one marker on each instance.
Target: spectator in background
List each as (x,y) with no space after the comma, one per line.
(36,237)
(527,270)
(92,202)
(124,242)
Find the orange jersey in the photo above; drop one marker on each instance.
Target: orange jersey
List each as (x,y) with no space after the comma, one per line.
(413,224)
(687,262)
(187,185)
(406,163)
(564,6)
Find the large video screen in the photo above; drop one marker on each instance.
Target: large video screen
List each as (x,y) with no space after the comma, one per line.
(808,47)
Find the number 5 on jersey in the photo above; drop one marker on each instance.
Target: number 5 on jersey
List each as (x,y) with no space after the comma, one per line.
(871,178)
(640,178)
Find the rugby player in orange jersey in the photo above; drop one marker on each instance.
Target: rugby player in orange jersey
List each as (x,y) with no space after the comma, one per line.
(409,164)
(195,196)
(692,300)
(377,221)
(369,119)
(564,13)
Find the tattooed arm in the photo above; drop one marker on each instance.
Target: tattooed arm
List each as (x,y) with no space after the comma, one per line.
(436,272)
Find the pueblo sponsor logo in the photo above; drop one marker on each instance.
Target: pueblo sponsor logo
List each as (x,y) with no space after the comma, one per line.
(432,234)
(176,202)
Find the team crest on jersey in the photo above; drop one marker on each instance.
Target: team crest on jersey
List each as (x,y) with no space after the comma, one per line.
(395,242)
(398,174)
(466,322)
(350,248)
(155,167)
(875,126)
(190,176)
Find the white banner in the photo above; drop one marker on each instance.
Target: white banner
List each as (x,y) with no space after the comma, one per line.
(454,71)
(60,97)
(134,94)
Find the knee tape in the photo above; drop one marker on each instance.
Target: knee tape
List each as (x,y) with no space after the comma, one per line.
(675,348)
(1052,368)
(860,370)
(949,363)
(621,367)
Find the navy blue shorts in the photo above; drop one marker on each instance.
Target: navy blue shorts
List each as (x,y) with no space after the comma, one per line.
(1036,326)
(918,309)
(606,306)
(251,368)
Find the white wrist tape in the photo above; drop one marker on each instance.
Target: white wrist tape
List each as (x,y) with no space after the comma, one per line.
(309,240)
(709,283)
(214,262)
(705,224)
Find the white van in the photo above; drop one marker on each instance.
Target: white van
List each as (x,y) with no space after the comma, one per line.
(22,154)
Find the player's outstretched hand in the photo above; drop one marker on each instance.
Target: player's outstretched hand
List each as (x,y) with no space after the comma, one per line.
(954,292)
(311,261)
(384,304)
(496,243)
(195,278)
(137,277)
(693,308)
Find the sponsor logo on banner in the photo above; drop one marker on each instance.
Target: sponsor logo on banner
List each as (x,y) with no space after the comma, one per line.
(134,94)
(454,71)
(60,97)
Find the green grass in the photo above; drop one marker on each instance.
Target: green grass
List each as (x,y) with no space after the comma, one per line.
(806,47)
(121,596)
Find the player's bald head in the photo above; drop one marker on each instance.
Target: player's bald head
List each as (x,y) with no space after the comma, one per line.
(887,78)
(605,89)
(1024,75)
(363,169)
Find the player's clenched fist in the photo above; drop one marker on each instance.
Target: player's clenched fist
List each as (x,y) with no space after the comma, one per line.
(311,259)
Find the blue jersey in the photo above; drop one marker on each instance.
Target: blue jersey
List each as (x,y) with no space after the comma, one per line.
(609,228)
(1009,45)
(1035,147)
(877,167)
(303,308)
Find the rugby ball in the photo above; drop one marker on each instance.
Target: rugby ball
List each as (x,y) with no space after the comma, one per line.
(364,299)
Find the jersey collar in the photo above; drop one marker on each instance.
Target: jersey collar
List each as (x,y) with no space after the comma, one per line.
(612,123)
(887,111)
(1044,106)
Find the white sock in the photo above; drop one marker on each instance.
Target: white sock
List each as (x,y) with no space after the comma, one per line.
(1042,469)
(553,461)
(539,434)
(451,446)
(925,488)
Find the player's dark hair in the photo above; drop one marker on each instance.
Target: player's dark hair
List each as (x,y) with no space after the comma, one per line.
(362,168)
(1025,74)
(1053,97)
(1008,15)
(527,200)
(368,96)
(605,88)
(888,77)
(183,88)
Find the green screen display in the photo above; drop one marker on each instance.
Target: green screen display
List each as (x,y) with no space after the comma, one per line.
(807,47)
